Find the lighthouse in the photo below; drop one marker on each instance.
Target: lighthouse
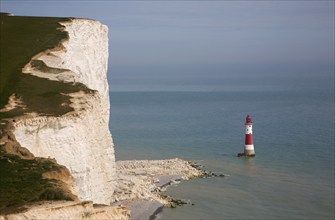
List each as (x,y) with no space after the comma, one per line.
(249,150)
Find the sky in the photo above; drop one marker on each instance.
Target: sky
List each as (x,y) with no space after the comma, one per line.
(194,42)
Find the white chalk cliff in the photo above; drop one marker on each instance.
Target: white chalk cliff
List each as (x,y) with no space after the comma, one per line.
(80,139)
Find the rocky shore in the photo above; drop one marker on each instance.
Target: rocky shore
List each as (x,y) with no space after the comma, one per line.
(68,210)
(138,193)
(141,182)
(142,179)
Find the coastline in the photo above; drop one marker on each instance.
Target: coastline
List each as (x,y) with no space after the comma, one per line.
(140,183)
(137,194)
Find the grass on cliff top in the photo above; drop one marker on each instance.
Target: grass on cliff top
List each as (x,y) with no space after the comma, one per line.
(21,182)
(20,39)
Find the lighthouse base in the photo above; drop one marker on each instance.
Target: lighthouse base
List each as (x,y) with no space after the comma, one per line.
(250,153)
(247,153)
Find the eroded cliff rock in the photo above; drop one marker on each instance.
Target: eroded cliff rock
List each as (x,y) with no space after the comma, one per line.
(77,138)
(70,210)
(80,140)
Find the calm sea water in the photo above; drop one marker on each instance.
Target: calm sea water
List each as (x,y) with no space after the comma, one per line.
(292,175)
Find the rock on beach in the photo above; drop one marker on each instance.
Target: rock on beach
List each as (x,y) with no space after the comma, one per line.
(139,183)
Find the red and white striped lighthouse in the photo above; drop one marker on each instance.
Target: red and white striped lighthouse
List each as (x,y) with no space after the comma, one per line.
(249,143)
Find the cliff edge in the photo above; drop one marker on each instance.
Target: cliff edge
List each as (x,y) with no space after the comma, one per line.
(55,100)
(54,138)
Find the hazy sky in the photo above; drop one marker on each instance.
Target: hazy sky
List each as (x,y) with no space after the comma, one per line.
(176,39)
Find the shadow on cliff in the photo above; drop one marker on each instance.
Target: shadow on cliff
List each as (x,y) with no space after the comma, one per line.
(25,178)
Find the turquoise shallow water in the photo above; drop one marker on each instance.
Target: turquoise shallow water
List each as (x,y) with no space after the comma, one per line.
(292,175)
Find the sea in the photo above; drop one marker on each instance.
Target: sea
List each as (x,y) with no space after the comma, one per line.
(292,175)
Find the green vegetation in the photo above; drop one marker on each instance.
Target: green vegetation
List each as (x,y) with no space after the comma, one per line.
(21,182)
(21,39)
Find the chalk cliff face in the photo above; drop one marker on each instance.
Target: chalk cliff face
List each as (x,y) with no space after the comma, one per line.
(80,139)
